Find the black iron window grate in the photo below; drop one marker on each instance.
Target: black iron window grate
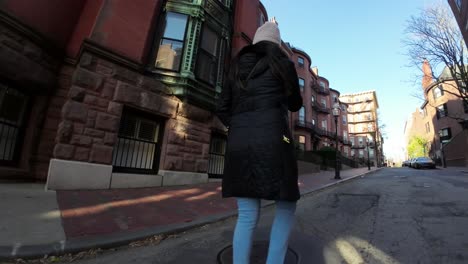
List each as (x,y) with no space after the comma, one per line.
(138,144)
(13,106)
(216,161)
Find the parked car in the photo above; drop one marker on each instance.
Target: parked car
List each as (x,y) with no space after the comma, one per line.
(405,163)
(423,162)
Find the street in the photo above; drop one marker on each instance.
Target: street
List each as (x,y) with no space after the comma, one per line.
(395,215)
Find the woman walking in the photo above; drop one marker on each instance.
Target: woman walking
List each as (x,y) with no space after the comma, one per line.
(260,161)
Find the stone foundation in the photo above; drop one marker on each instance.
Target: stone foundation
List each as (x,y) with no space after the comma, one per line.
(73,175)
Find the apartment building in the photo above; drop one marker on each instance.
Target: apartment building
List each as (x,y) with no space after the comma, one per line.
(364,134)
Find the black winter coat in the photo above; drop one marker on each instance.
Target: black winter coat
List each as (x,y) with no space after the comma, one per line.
(260,160)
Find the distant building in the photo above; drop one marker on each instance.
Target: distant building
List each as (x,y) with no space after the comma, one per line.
(363,126)
(418,125)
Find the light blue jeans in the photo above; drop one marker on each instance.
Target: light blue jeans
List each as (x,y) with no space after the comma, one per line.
(248,215)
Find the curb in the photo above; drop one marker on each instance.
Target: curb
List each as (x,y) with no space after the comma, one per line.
(124,238)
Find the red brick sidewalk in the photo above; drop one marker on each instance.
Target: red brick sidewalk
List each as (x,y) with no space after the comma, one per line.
(99,212)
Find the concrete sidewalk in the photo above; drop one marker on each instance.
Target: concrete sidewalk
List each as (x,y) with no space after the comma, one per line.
(38,222)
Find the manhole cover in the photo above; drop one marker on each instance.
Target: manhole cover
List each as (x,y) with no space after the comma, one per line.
(259,254)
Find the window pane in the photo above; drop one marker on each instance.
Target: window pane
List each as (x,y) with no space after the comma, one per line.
(302,114)
(169,54)
(175,26)
(12,107)
(206,67)
(137,143)
(209,41)
(301,82)
(147,130)
(128,126)
(302,139)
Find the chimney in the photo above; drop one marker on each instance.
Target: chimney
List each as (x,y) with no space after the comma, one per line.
(315,70)
(427,78)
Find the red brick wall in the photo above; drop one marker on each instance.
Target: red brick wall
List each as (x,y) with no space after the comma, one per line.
(127,26)
(84,27)
(246,15)
(55,19)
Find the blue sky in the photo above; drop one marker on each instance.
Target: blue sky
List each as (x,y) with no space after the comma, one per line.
(357,46)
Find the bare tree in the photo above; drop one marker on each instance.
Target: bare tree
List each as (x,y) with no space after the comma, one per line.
(434,36)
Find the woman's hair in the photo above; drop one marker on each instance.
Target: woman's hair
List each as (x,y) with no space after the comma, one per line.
(268,55)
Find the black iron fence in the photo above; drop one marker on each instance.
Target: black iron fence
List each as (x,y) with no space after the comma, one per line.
(327,159)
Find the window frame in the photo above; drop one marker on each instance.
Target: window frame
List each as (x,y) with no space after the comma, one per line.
(302,114)
(324,125)
(445,138)
(440,92)
(299,143)
(299,63)
(443,111)
(158,144)
(218,58)
(323,102)
(301,87)
(162,37)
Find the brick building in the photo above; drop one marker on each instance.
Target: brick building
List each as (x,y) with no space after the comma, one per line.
(111,94)
(364,133)
(444,115)
(314,125)
(418,125)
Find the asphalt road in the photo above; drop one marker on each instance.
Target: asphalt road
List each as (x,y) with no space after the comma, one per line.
(396,215)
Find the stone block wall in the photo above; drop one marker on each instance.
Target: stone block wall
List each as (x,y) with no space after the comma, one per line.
(92,108)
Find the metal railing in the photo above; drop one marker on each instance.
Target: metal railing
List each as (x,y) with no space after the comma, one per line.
(216,165)
(216,156)
(134,154)
(321,108)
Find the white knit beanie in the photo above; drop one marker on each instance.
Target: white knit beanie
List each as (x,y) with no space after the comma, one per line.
(268,32)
